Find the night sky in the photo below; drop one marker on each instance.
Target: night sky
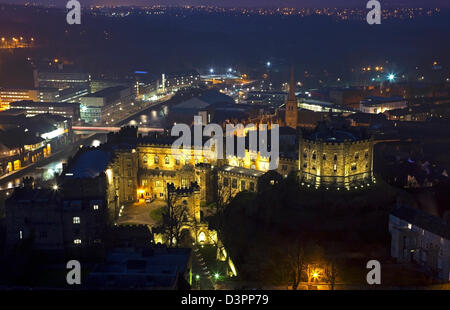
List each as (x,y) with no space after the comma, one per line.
(243,3)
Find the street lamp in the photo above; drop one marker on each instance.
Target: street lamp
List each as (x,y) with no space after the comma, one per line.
(216,276)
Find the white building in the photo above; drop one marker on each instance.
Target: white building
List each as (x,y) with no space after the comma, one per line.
(375,105)
(421,238)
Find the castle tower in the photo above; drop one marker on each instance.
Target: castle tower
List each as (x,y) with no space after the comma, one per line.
(291,115)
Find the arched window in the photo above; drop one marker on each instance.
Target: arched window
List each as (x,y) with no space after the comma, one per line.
(156,159)
(167,160)
(144,159)
(202,237)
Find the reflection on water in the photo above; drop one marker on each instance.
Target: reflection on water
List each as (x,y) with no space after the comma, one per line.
(153,118)
(41,175)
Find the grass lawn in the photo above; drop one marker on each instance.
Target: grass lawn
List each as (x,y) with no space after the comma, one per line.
(157,214)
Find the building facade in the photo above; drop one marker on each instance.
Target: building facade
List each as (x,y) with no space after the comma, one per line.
(422,239)
(335,158)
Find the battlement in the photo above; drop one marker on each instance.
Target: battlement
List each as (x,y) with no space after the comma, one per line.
(192,189)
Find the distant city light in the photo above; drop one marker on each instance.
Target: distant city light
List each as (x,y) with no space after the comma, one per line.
(268,64)
(96,143)
(216,275)
(211,70)
(230,70)
(391,77)
(55,187)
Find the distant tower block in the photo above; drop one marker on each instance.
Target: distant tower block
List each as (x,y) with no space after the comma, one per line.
(291,115)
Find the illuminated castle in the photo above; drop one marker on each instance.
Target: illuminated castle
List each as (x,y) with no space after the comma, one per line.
(337,158)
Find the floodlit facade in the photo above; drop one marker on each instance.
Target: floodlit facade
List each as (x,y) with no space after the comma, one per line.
(335,158)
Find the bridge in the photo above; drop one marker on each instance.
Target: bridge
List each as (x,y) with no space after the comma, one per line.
(91,129)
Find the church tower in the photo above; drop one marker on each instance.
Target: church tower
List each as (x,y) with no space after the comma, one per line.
(291,115)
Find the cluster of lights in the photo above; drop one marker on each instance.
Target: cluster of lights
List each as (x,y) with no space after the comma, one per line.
(120,211)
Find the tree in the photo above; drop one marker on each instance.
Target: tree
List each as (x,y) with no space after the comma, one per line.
(295,263)
(331,273)
(175,215)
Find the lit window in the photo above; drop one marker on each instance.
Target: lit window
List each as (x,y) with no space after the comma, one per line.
(409,226)
(167,161)
(156,159)
(95,207)
(234,183)
(76,220)
(77,241)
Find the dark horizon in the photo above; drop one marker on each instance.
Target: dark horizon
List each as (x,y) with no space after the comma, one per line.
(247,3)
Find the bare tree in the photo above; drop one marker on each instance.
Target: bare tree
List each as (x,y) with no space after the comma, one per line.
(294,263)
(331,273)
(174,216)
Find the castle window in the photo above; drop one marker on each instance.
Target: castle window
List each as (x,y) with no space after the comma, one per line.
(76,220)
(95,207)
(314,156)
(77,241)
(335,157)
(145,159)
(305,155)
(242,185)
(167,160)
(284,167)
(366,155)
(234,183)
(334,167)
(252,186)
(356,156)
(226,181)
(314,168)
(353,166)
(305,165)
(177,161)
(156,160)
(324,157)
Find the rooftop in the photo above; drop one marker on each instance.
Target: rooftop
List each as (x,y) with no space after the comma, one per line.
(243,171)
(106,92)
(423,220)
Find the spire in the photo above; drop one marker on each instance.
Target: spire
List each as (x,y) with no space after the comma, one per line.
(292,86)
